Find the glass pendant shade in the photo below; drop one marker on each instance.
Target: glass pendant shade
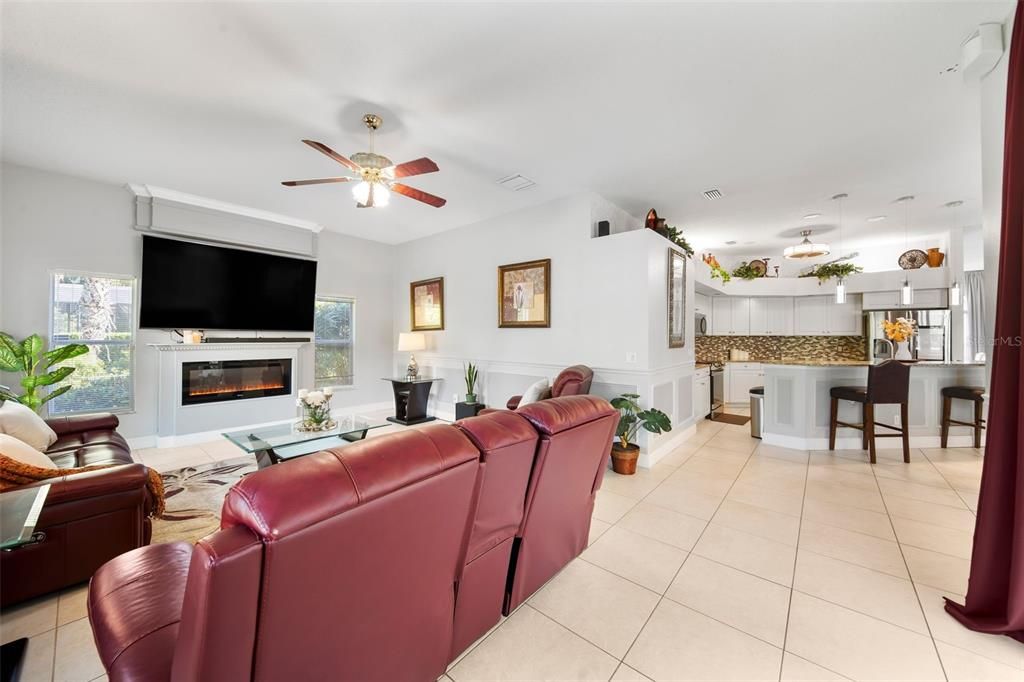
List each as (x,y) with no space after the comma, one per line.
(906,293)
(806,248)
(381,194)
(954,293)
(840,291)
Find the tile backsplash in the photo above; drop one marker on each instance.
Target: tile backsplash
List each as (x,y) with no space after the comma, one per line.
(782,348)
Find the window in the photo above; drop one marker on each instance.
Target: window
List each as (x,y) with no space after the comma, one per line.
(333,332)
(99,311)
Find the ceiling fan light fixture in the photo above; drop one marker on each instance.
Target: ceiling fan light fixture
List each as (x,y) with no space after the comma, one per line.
(806,248)
(371,194)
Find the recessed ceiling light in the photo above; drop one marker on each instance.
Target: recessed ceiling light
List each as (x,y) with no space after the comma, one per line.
(712,194)
(953,204)
(516,182)
(876,218)
(731,242)
(812,216)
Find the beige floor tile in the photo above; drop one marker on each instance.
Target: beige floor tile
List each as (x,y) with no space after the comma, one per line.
(941,571)
(643,560)
(796,669)
(964,666)
(680,644)
(782,484)
(531,646)
(169,459)
(849,518)
(765,558)
(758,521)
(684,501)
(222,449)
(733,443)
(841,477)
(969,498)
(597,529)
(856,645)
(923,493)
(775,466)
(918,471)
(871,592)
(699,463)
(938,514)
(685,479)
(71,604)
(936,538)
(850,460)
(947,629)
(775,452)
(787,503)
(663,524)
(856,548)
(32,617)
(627,674)
(610,507)
(751,604)
(599,606)
(843,493)
(677,457)
(38,662)
(76,657)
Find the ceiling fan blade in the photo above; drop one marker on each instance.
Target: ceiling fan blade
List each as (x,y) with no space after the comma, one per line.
(324,149)
(319,181)
(417,167)
(419,195)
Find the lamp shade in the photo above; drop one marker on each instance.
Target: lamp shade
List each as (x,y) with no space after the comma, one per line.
(411,341)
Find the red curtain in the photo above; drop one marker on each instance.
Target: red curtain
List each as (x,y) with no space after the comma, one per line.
(995,595)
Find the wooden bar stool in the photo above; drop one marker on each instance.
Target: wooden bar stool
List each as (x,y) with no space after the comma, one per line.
(888,384)
(974,393)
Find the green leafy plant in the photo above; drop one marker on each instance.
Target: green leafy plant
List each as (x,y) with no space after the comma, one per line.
(718,272)
(471,376)
(30,358)
(675,236)
(632,418)
(827,271)
(745,271)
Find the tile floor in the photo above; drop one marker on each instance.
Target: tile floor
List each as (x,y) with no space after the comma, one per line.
(729,560)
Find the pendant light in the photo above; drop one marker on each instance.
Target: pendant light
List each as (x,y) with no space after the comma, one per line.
(954,289)
(841,284)
(806,248)
(906,290)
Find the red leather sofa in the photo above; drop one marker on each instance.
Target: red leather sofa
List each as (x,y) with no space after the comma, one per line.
(573,380)
(381,560)
(88,518)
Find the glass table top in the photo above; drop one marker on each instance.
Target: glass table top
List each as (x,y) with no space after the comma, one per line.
(19,512)
(283,435)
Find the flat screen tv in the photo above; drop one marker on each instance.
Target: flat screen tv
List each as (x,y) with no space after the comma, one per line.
(198,286)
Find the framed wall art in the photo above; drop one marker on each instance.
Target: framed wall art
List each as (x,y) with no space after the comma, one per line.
(524,294)
(676,299)
(426,305)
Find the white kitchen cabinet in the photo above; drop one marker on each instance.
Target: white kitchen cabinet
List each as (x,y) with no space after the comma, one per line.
(845,319)
(890,300)
(740,377)
(730,316)
(701,396)
(701,304)
(822,316)
(771,316)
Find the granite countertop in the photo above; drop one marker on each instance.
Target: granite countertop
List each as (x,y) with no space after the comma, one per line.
(702,365)
(865,363)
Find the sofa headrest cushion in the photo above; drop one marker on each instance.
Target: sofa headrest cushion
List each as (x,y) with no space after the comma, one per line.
(496,430)
(293,495)
(558,414)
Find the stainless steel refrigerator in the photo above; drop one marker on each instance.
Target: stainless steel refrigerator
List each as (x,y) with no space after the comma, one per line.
(932,341)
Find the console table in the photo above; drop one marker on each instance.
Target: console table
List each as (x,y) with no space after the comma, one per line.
(411,396)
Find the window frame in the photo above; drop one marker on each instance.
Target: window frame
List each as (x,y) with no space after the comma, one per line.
(132,344)
(336,298)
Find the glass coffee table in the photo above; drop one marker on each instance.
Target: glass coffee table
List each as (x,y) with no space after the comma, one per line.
(273,444)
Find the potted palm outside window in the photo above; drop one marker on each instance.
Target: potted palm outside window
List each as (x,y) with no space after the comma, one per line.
(631,420)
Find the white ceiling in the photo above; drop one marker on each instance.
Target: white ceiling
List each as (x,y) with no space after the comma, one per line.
(778,105)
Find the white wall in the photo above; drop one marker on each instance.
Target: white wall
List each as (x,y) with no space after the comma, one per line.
(52,221)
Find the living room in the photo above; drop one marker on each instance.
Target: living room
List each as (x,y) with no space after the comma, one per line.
(407,253)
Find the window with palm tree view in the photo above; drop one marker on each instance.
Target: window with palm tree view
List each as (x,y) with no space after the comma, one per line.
(333,332)
(98,311)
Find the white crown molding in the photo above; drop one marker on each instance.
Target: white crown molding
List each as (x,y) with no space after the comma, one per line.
(213,347)
(182,199)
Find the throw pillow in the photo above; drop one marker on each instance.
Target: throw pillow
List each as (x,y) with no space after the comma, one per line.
(24,453)
(21,422)
(535,392)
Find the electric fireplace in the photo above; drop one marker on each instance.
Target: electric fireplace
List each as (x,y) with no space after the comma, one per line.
(212,382)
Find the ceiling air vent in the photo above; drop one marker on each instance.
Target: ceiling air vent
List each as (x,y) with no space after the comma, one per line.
(712,194)
(516,182)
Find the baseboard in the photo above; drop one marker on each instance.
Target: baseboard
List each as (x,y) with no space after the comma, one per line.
(798,443)
(649,459)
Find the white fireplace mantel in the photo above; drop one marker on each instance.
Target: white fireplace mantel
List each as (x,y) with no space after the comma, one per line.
(239,345)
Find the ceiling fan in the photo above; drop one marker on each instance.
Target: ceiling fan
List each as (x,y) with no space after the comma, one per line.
(374,174)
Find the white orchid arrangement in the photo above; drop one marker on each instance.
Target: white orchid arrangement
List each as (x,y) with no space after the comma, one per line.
(316,405)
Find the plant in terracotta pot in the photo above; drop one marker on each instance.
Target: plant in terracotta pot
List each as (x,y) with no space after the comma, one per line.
(631,420)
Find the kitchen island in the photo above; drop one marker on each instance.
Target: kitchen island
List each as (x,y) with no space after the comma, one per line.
(796,403)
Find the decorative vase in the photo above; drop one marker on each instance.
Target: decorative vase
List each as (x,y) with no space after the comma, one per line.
(624,458)
(471,398)
(316,410)
(935,258)
(903,351)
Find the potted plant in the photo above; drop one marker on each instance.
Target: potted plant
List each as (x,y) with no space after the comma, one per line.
(471,375)
(29,358)
(316,410)
(631,420)
(675,236)
(717,271)
(827,271)
(745,271)
(899,334)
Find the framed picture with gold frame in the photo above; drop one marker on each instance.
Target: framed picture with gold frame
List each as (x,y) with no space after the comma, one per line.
(676,299)
(426,305)
(524,294)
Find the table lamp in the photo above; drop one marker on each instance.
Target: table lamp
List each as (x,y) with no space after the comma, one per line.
(411,341)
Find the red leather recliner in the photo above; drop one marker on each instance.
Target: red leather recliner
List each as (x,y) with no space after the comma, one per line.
(573,380)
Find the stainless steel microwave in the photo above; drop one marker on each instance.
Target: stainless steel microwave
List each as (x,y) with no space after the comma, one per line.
(700,325)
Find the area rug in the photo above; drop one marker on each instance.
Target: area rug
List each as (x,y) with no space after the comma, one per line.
(737,419)
(194,496)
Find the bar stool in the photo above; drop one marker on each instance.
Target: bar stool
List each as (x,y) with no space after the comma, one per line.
(888,384)
(973,393)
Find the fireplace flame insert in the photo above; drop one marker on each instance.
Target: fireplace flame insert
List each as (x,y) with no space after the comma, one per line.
(212,382)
